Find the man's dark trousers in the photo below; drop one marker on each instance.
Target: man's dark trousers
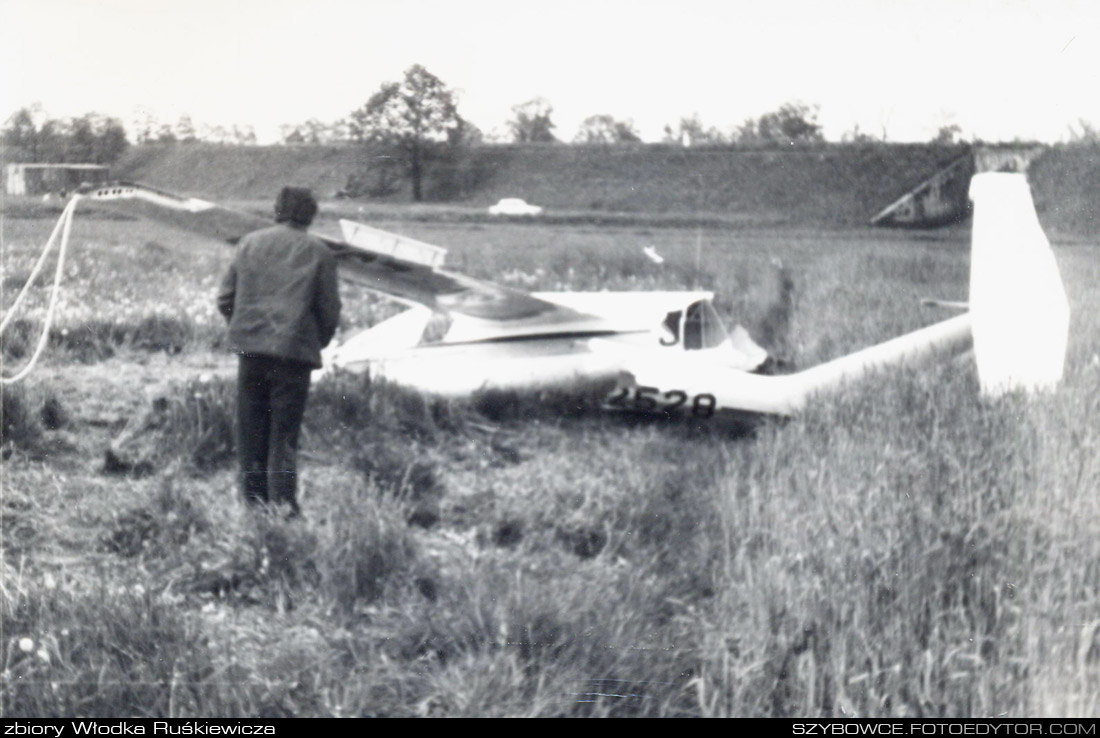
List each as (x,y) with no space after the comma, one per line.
(271,400)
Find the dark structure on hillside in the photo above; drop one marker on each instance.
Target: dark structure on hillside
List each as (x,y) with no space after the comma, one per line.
(944,197)
(41,179)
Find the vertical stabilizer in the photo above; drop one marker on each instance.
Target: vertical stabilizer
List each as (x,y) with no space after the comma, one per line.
(1018,305)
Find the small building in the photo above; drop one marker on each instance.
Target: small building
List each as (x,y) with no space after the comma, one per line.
(41,179)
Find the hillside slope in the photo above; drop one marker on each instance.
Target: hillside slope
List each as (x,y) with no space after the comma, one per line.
(827,185)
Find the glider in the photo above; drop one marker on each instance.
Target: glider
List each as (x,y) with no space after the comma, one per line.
(659,352)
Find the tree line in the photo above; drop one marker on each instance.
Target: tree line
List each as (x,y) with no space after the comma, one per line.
(30,136)
(409,125)
(414,124)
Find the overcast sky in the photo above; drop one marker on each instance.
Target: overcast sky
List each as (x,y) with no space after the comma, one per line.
(999,69)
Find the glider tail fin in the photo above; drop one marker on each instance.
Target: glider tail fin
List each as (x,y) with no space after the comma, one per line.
(1018,306)
(1018,321)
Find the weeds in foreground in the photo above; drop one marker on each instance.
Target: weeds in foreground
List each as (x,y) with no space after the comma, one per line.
(192,423)
(877,556)
(26,414)
(99,651)
(94,340)
(19,423)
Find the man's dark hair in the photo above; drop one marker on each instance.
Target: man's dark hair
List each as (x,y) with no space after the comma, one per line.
(295,204)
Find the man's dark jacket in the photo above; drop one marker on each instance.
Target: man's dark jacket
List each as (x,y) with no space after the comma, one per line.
(280,295)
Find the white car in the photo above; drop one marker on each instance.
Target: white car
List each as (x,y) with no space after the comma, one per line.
(514,206)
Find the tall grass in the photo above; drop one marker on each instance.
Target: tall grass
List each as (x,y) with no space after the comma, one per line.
(904,548)
(889,553)
(95,651)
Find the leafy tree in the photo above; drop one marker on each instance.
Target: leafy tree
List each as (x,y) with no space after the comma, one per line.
(1085,132)
(112,142)
(416,118)
(604,129)
(82,140)
(215,134)
(144,126)
(315,132)
(747,133)
(185,130)
(244,135)
(947,135)
(857,135)
(692,132)
(29,133)
(93,138)
(90,138)
(96,138)
(531,122)
(793,123)
(456,171)
(291,134)
(339,131)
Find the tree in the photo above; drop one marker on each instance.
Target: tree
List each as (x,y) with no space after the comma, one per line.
(340,131)
(747,133)
(1085,132)
(144,125)
(82,141)
(94,138)
(112,141)
(291,135)
(244,135)
(692,132)
(89,138)
(793,123)
(185,130)
(416,118)
(604,129)
(215,133)
(29,133)
(857,136)
(947,135)
(313,132)
(97,138)
(531,122)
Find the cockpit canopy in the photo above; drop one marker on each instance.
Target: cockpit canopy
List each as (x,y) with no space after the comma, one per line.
(697,327)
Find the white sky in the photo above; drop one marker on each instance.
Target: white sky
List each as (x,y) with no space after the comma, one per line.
(1000,69)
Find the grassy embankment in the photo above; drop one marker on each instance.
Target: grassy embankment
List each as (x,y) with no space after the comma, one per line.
(904,549)
(832,185)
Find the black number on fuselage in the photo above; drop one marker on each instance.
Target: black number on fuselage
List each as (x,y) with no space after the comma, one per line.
(703,405)
(645,400)
(676,398)
(619,398)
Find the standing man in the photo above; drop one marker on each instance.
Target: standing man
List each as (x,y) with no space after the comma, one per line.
(281,299)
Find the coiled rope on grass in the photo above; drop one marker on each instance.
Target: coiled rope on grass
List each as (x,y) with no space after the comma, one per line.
(63,227)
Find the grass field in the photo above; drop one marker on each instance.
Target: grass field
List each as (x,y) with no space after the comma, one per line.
(904,549)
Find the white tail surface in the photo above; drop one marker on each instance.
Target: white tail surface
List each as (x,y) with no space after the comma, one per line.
(1018,306)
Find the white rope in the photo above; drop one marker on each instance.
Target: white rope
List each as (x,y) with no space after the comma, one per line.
(64,226)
